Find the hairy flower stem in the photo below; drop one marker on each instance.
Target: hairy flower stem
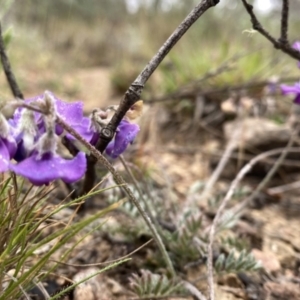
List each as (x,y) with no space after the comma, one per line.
(148,208)
(136,185)
(120,181)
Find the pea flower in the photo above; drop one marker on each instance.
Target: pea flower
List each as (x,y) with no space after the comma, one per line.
(294,89)
(31,138)
(296,46)
(125,135)
(126,131)
(37,137)
(72,113)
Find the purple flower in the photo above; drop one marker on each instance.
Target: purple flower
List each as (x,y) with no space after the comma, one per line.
(294,89)
(4,157)
(42,170)
(31,139)
(72,113)
(37,135)
(296,46)
(10,145)
(125,134)
(83,127)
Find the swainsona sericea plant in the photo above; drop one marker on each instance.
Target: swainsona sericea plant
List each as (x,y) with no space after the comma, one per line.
(29,140)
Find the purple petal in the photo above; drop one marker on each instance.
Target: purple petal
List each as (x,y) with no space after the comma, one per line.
(20,153)
(272,87)
(294,89)
(296,46)
(58,129)
(23,150)
(94,138)
(4,157)
(83,128)
(11,146)
(297,99)
(126,134)
(70,112)
(49,168)
(110,149)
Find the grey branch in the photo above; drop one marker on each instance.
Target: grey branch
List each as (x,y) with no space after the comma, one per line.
(133,93)
(284,22)
(8,71)
(283,45)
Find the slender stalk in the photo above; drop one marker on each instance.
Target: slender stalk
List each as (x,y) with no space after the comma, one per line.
(148,208)
(270,174)
(120,181)
(223,204)
(222,163)
(136,185)
(193,290)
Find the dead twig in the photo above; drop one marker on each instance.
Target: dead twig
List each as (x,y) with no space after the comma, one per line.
(218,153)
(7,69)
(40,286)
(280,43)
(20,286)
(105,262)
(269,175)
(134,92)
(222,163)
(225,201)
(284,188)
(193,290)
(284,22)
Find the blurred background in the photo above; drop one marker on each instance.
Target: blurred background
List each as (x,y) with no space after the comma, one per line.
(93,49)
(221,76)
